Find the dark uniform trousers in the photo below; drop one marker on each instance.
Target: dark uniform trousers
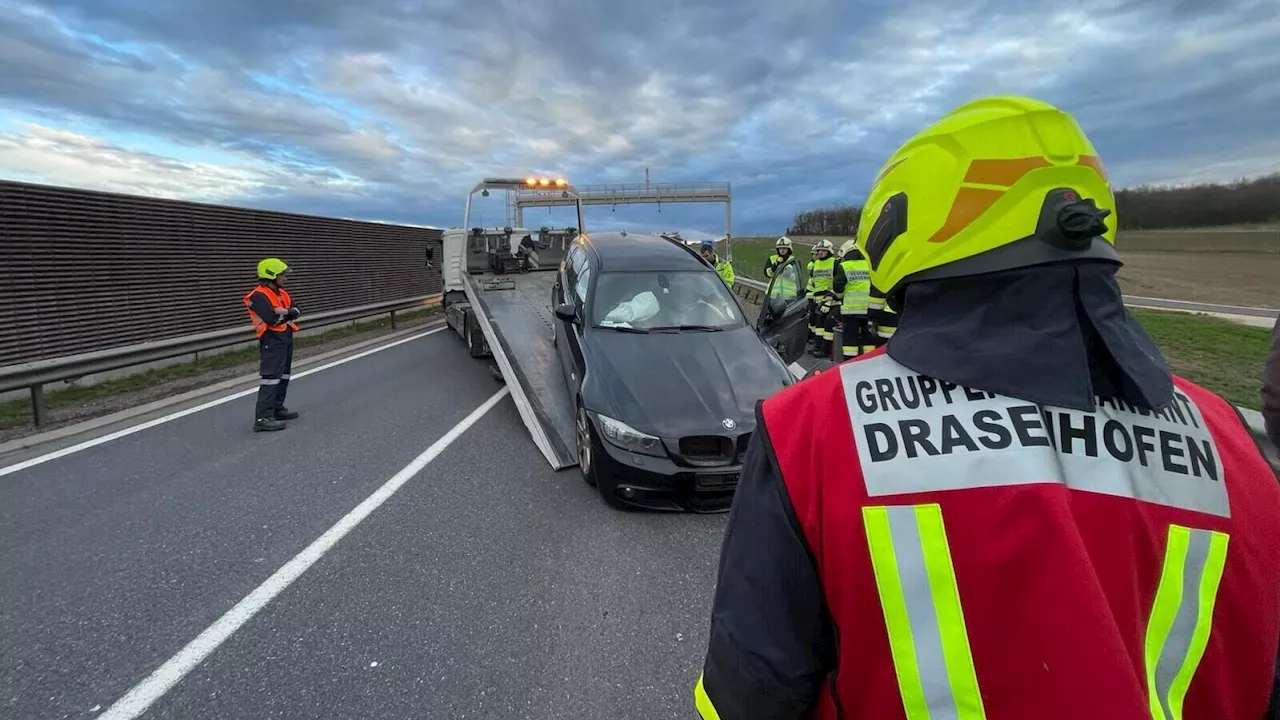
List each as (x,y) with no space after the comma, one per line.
(858,335)
(275,359)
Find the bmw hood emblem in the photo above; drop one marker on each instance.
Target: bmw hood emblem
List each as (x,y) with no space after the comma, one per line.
(728,423)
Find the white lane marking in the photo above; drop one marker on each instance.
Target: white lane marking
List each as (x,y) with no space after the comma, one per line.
(93,442)
(141,696)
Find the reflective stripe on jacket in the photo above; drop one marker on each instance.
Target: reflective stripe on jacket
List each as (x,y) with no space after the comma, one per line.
(725,268)
(775,260)
(280,299)
(821,276)
(853,285)
(972,555)
(878,310)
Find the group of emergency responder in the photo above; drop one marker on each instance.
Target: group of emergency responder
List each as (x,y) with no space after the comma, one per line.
(1013,509)
(838,286)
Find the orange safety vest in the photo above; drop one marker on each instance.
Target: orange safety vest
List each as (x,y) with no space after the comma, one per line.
(279,299)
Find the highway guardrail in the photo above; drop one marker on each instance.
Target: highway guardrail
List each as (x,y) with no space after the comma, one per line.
(35,375)
(752,291)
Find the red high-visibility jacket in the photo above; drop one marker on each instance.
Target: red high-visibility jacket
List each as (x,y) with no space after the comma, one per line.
(982,557)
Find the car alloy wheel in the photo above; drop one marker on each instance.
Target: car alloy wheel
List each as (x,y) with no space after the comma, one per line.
(584,446)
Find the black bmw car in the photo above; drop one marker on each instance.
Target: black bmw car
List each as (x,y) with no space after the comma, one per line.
(664,368)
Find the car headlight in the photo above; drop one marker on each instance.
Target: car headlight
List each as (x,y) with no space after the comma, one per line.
(628,438)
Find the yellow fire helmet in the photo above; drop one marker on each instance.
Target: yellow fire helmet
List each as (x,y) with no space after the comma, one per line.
(996,184)
(272,268)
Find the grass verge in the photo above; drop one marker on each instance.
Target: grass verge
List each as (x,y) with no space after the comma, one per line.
(17,413)
(1223,356)
(750,255)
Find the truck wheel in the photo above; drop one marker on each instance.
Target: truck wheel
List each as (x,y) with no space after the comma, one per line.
(586,446)
(475,347)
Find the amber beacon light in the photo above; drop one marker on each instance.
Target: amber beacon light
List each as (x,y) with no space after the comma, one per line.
(545,182)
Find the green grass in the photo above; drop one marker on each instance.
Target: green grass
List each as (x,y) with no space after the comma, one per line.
(750,255)
(1223,356)
(15,413)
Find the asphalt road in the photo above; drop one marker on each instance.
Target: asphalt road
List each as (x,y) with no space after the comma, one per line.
(488,586)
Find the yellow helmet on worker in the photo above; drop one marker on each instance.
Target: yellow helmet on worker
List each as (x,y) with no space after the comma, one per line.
(998,183)
(271,268)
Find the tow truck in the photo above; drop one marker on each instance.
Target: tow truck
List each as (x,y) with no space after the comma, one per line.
(497,290)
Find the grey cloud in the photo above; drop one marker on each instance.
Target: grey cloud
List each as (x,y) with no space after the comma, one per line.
(797,103)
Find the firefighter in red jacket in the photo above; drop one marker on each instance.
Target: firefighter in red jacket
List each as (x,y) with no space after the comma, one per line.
(273,314)
(1013,510)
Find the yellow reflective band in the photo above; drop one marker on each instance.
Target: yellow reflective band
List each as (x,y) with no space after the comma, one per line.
(1182,615)
(916,582)
(703,703)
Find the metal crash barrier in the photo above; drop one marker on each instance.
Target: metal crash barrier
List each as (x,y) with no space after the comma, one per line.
(35,375)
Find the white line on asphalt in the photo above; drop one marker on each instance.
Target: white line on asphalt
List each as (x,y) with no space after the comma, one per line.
(195,409)
(142,695)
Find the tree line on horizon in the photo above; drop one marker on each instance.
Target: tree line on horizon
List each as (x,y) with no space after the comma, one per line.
(1146,207)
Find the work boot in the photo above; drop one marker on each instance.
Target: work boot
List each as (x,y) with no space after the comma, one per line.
(284,413)
(267,425)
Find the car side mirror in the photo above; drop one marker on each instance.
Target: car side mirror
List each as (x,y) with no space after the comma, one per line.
(567,312)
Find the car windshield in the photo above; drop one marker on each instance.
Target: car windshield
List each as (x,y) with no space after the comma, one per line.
(691,301)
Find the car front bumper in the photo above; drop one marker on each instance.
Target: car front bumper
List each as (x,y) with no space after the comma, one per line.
(658,483)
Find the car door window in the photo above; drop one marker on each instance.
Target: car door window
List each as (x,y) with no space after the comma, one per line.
(569,266)
(581,283)
(784,289)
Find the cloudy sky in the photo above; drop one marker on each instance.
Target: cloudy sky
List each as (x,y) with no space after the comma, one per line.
(392,109)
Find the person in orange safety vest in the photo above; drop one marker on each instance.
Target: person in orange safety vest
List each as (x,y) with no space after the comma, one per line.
(273,314)
(1013,510)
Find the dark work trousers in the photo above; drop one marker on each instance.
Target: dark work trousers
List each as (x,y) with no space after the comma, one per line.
(275,353)
(815,320)
(858,335)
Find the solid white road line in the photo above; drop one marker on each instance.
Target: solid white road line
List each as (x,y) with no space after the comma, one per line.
(197,408)
(138,699)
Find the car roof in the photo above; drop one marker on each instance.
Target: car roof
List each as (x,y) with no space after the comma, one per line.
(643,252)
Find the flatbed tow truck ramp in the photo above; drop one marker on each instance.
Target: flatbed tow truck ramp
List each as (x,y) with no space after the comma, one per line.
(497,284)
(517,322)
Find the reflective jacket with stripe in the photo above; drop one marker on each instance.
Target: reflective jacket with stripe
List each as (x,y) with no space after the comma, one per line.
(960,554)
(263,315)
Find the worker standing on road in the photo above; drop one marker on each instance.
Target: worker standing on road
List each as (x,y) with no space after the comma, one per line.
(781,253)
(273,314)
(821,298)
(723,267)
(853,286)
(1014,510)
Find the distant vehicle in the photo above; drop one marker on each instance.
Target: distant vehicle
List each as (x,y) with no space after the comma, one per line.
(663,369)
